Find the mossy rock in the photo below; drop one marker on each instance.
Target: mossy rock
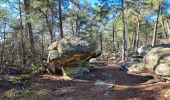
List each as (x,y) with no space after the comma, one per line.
(79,63)
(75,71)
(76,68)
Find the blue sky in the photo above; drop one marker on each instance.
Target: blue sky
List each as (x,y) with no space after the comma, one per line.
(93,1)
(168,9)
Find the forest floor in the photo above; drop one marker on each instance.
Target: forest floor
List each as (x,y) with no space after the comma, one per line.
(127,87)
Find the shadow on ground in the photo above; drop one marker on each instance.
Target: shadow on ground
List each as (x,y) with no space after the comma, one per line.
(111,74)
(127,87)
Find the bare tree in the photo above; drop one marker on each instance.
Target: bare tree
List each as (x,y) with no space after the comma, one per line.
(168,29)
(101,41)
(4,40)
(60,18)
(137,32)
(29,26)
(22,36)
(156,26)
(123,33)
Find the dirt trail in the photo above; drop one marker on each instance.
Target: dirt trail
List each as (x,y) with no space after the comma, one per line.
(127,87)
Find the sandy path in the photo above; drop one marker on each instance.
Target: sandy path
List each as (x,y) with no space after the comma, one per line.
(127,87)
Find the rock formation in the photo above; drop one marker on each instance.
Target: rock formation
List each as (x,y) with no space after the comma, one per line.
(71,54)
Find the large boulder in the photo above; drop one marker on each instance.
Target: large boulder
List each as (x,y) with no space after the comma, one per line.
(158,59)
(71,48)
(163,69)
(146,48)
(72,53)
(156,56)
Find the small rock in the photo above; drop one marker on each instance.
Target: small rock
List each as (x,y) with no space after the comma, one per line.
(59,93)
(103,84)
(106,93)
(93,61)
(167,95)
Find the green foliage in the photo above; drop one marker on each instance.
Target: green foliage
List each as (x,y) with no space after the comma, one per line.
(3,13)
(29,69)
(24,95)
(79,16)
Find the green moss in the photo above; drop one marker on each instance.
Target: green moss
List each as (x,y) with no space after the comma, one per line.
(29,69)
(23,78)
(72,70)
(24,95)
(77,63)
(54,52)
(20,78)
(75,68)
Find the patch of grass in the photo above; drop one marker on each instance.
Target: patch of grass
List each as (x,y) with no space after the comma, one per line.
(24,95)
(29,69)
(23,78)
(20,78)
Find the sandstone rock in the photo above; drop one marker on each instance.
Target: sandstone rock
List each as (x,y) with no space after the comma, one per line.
(163,69)
(72,48)
(103,84)
(133,66)
(72,54)
(93,61)
(167,95)
(136,67)
(76,68)
(53,46)
(96,54)
(76,71)
(158,59)
(156,56)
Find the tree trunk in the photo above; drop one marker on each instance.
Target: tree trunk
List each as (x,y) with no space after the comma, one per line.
(29,26)
(134,40)
(137,33)
(101,41)
(168,30)
(146,34)
(77,24)
(156,26)
(49,28)
(72,27)
(164,28)
(113,36)
(60,19)
(116,40)
(4,41)
(42,42)
(123,33)
(22,37)
(52,14)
